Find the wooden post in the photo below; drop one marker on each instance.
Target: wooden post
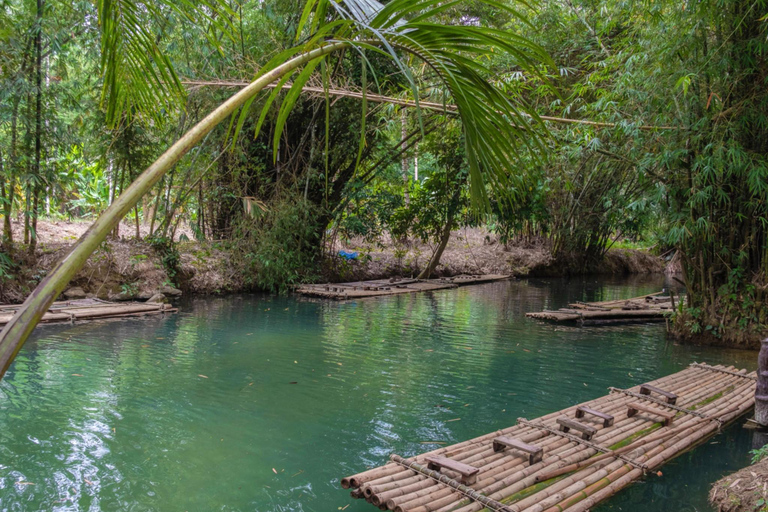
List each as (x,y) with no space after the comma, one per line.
(761,390)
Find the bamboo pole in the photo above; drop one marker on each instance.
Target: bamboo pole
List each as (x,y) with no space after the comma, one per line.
(24,321)
(429,498)
(447,108)
(454,450)
(421,496)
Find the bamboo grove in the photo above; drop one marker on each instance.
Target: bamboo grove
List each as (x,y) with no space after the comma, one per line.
(671,158)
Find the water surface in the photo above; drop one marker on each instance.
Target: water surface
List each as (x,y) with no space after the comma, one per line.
(263,403)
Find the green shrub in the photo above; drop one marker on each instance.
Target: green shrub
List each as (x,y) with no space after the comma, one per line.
(280,246)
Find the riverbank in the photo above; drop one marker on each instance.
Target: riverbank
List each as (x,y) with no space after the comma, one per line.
(475,251)
(127,268)
(743,491)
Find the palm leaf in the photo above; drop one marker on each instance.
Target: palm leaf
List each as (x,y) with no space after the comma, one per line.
(138,76)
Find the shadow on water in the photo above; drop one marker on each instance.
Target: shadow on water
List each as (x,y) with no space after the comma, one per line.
(263,403)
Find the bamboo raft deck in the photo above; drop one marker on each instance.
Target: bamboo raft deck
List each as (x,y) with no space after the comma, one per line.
(394,286)
(647,308)
(569,460)
(72,311)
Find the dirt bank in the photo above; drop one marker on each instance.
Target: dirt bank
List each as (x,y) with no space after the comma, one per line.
(743,491)
(473,251)
(126,268)
(121,269)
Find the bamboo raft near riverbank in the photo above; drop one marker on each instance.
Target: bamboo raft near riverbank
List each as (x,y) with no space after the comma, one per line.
(393,286)
(72,311)
(647,308)
(569,460)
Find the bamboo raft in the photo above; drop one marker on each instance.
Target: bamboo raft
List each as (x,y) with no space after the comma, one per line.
(394,286)
(647,308)
(568,460)
(72,311)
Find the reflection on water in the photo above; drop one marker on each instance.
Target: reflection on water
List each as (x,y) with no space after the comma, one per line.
(263,403)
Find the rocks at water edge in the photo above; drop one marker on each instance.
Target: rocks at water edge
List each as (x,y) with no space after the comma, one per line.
(157,298)
(74,293)
(170,291)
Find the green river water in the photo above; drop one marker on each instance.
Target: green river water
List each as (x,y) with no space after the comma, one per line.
(264,403)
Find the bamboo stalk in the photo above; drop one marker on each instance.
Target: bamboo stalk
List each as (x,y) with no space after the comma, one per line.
(474,508)
(503,476)
(24,321)
(447,108)
(432,496)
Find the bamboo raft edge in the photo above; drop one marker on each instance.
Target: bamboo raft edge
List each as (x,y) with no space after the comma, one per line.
(91,309)
(646,308)
(387,287)
(706,399)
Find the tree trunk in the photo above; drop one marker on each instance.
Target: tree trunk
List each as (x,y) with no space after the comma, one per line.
(33,221)
(435,261)
(27,208)
(404,159)
(38,128)
(155,205)
(136,206)
(11,188)
(119,184)
(761,390)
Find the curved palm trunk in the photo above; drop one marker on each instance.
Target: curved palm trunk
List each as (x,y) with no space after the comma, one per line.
(26,318)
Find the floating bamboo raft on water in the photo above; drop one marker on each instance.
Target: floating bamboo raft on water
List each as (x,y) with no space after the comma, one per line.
(647,308)
(394,286)
(72,311)
(568,460)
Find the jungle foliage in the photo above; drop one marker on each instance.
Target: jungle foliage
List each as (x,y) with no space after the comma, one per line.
(673,152)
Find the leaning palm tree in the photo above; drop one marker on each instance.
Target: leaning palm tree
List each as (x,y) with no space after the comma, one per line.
(494,124)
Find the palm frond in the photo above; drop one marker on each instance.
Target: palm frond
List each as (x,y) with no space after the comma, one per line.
(137,75)
(497,127)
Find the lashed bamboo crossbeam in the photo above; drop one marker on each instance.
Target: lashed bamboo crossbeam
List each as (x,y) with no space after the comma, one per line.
(549,459)
(624,475)
(519,461)
(506,473)
(507,492)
